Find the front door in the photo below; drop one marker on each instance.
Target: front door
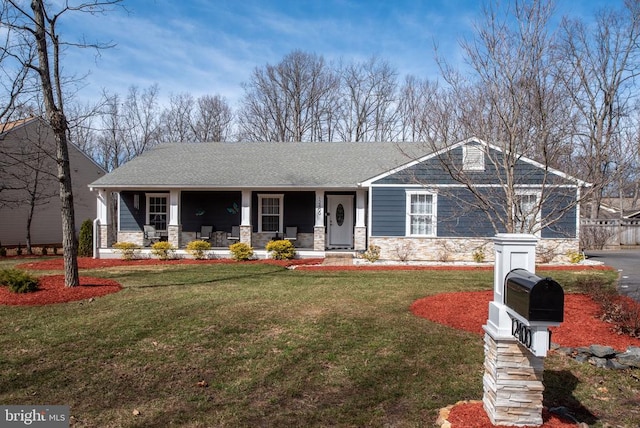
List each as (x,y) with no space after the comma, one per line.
(340,221)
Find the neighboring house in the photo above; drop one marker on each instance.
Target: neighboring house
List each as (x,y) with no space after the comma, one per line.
(28,179)
(339,196)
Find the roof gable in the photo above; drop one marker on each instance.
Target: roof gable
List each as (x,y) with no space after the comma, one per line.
(439,174)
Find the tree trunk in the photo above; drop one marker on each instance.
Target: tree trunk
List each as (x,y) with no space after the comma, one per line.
(58,122)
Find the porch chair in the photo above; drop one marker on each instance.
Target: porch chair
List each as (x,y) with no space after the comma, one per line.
(205,233)
(291,233)
(235,234)
(151,235)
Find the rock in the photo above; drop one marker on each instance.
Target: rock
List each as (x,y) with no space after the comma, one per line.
(598,362)
(602,351)
(631,357)
(564,350)
(615,365)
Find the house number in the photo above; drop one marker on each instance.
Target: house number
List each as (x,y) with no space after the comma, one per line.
(521,332)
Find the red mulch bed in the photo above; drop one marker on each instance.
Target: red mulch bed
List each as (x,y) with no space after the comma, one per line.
(52,290)
(469,311)
(473,415)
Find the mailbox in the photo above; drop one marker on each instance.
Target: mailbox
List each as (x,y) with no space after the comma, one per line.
(534,298)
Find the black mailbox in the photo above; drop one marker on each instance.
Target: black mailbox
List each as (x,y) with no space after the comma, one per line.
(533,297)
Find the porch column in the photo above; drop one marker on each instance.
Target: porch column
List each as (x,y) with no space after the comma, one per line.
(245,221)
(319,227)
(101,231)
(174,228)
(360,231)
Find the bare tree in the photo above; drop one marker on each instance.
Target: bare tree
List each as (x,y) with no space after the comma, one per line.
(33,43)
(288,101)
(512,100)
(177,126)
(368,101)
(212,119)
(189,120)
(141,120)
(599,68)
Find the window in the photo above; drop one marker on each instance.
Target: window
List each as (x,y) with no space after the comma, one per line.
(270,213)
(158,210)
(527,213)
(421,218)
(472,158)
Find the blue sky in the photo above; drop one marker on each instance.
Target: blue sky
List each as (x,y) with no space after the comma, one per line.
(212,46)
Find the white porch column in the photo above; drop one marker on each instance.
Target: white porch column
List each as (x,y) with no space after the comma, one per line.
(246,208)
(174,228)
(174,208)
(360,231)
(319,228)
(101,223)
(245,220)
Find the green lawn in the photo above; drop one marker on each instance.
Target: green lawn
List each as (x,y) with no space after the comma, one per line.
(274,347)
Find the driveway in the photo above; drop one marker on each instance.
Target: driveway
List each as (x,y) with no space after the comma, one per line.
(627,262)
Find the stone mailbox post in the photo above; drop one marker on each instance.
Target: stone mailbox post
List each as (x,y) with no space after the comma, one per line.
(516,334)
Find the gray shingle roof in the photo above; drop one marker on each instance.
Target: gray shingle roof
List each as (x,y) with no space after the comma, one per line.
(260,165)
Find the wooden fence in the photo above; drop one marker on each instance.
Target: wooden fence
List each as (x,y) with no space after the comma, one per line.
(602,233)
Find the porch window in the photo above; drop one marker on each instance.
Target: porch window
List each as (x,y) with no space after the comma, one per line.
(270,214)
(158,210)
(527,213)
(421,209)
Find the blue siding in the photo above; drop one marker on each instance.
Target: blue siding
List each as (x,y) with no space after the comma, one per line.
(456,217)
(432,172)
(131,219)
(388,211)
(556,206)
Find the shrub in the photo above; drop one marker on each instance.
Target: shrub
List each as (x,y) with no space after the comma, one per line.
(85,241)
(19,250)
(163,250)
(372,254)
(197,248)
(128,250)
(44,251)
(241,251)
(404,251)
(281,249)
(18,280)
(478,255)
(575,257)
(3,251)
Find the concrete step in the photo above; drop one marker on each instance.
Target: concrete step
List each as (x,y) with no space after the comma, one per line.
(338,259)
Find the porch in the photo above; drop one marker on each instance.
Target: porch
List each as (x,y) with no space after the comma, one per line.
(322,220)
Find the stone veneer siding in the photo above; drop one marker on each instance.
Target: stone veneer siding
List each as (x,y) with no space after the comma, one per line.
(104,236)
(360,238)
(512,383)
(463,249)
(174,235)
(319,238)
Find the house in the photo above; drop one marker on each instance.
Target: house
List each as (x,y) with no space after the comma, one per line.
(28,180)
(339,196)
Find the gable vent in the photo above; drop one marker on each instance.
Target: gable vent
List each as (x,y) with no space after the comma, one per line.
(473,158)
